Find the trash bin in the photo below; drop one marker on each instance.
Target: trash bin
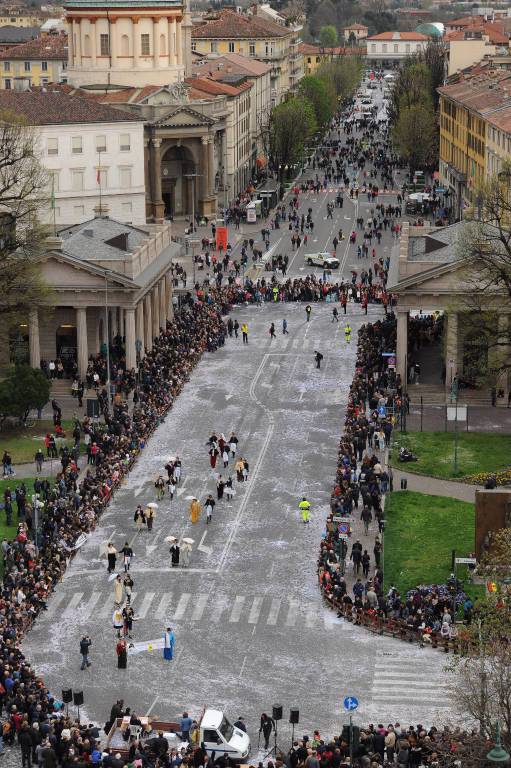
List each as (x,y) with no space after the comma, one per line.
(404,483)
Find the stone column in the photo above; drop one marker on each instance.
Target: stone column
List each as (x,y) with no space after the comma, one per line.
(33,339)
(179,43)
(156,42)
(70,44)
(140,335)
(402,346)
(168,299)
(148,322)
(82,343)
(156,179)
(211,166)
(156,311)
(78,42)
(93,44)
(163,304)
(121,322)
(172,47)
(204,166)
(113,41)
(451,349)
(131,350)
(134,35)
(114,325)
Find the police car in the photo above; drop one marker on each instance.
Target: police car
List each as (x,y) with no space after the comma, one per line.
(322,260)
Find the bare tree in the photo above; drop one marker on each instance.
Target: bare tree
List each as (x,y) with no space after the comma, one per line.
(23,193)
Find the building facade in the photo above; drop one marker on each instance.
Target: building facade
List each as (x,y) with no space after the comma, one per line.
(128,43)
(315,55)
(472,110)
(355,34)
(35,63)
(109,279)
(90,150)
(254,37)
(390,48)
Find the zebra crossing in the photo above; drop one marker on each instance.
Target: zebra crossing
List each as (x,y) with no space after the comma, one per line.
(405,681)
(249,610)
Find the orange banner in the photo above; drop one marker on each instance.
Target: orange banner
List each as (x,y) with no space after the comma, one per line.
(221,238)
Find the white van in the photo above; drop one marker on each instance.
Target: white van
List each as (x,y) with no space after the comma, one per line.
(220,736)
(325,260)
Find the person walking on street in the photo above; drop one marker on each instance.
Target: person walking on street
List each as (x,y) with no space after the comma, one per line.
(318,357)
(366,516)
(127,554)
(244,332)
(266,727)
(335,315)
(272,331)
(347,333)
(85,644)
(209,507)
(39,458)
(308,312)
(304,507)
(284,327)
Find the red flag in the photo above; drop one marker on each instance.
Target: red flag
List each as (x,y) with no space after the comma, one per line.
(98,177)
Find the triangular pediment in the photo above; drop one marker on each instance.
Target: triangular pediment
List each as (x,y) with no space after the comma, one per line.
(451,278)
(184,116)
(60,271)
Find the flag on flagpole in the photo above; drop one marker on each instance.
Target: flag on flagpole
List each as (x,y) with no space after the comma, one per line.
(98,176)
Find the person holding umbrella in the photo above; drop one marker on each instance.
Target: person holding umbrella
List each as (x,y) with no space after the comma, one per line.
(174,551)
(186,551)
(149,514)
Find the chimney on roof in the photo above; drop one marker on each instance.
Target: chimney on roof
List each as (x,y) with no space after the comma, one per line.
(54,243)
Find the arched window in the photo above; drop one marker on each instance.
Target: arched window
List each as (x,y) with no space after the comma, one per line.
(86,45)
(163,46)
(125,45)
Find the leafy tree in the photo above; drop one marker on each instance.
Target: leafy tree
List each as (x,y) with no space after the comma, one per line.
(379,21)
(23,191)
(328,36)
(320,94)
(23,388)
(291,124)
(344,73)
(415,135)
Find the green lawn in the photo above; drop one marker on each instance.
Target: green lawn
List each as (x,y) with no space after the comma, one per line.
(477,452)
(22,443)
(9,531)
(420,533)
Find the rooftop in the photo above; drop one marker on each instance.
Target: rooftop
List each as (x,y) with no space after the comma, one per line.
(406,36)
(209,87)
(15,35)
(47,48)
(492,31)
(71,5)
(59,108)
(102,239)
(484,93)
(234,62)
(318,50)
(230,25)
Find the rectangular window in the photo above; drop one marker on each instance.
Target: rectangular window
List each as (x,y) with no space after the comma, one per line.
(124,142)
(384,48)
(52,146)
(213,46)
(104,45)
(373,47)
(100,143)
(194,45)
(44,66)
(27,66)
(77,181)
(407,48)
(396,48)
(231,47)
(125,178)
(76,145)
(145,46)
(251,49)
(7,84)
(7,66)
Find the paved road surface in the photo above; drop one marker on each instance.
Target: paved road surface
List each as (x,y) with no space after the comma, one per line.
(250,626)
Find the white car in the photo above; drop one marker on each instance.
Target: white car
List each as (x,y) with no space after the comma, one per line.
(325,260)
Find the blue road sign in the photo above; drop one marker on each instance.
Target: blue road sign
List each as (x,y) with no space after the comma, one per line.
(382,410)
(350,703)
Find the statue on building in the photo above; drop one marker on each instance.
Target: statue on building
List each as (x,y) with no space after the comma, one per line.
(179,93)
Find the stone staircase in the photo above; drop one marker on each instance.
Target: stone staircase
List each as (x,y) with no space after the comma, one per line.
(61,392)
(434,394)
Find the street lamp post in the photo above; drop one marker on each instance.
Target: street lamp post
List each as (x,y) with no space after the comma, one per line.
(192,176)
(497,754)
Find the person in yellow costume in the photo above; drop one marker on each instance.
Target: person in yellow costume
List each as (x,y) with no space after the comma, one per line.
(304,507)
(347,332)
(195,510)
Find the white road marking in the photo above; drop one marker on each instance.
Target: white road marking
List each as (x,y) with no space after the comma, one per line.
(202,547)
(163,605)
(274,612)
(145,605)
(90,605)
(151,707)
(292,613)
(237,608)
(255,610)
(72,605)
(181,606)
(200,607)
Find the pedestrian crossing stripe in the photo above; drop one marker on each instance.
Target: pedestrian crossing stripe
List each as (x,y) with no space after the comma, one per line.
(407,681)
(192,608)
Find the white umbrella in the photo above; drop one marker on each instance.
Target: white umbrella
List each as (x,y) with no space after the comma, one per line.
(170,539)
(189,498)
(188,541)
(171,458)
(153,505)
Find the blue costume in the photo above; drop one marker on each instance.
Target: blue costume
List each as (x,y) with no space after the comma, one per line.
(168,644)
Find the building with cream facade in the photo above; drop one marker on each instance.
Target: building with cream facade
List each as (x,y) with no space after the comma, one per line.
(128,42)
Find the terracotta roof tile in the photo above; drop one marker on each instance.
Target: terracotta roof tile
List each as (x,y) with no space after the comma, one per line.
(215,88)
(55,107)
(235,62)
(483,93)
(234,26)
(398,36)
(47,48)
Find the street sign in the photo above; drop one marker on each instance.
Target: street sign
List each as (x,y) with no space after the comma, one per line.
(465,561)
(344,536)
(382,410)
(456,413)
(344,528)
(350,703)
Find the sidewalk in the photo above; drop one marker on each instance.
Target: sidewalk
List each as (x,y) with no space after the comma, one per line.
(436,487)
